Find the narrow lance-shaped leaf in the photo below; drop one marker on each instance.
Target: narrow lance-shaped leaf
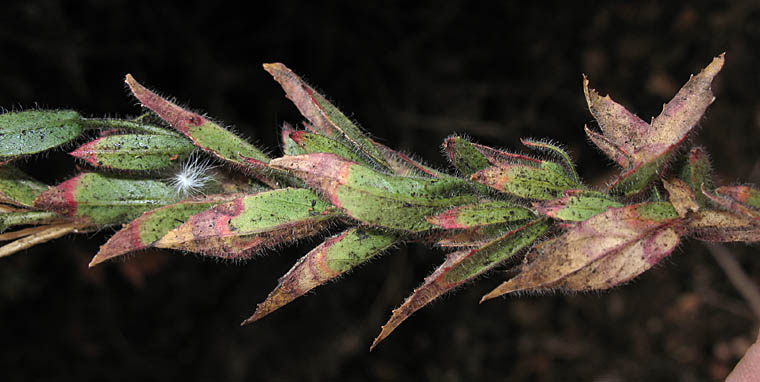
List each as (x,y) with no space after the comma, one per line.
(204,133)
(723,226)
(480,214)
(601,252)
(236,229)
(642,148)
(576,205)
(135,151)
(315,143)
(142,232)
(743,200)
(555,150)
(31,132)
(371,197)
(18,188)
(696,172)
(461,267)
(526,181)
(334,257)
(25,217)
(464,155)
(105,199)
(323,115)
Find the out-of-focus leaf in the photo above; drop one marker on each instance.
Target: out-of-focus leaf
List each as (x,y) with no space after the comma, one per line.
(105,199)
(681,197)
(152,225)
(739,199)
(576,205)
(373,198)
(135,151)
(545,182)
(324,116)
(696,172)
(480,214)
(31,132)
(43,235)
(642,148)
(10,219)
(329,260)
(204,133)
(473,237)
(18,188)
(461,267)
(723,226)
(601,252)
(236,229)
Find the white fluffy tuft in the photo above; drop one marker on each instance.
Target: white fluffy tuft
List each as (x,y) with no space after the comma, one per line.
(192,177)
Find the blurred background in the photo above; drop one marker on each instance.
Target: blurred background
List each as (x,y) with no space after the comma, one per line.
(411,74)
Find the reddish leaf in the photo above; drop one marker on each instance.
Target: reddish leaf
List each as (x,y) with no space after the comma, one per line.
(236,229)
(204,133)
(142,232)
(601,252)
(643,148)
(723,226)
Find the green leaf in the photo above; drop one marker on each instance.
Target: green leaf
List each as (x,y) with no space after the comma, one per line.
(10,219)
(334,257)
(576,205)
(315,143)
(204,133)
(526,181)
(464,155)
(480,214)
(31,132)
(105,199)
(18,188)
(135,151)
(696,172)
(236,229)
(374,198)
(461,267)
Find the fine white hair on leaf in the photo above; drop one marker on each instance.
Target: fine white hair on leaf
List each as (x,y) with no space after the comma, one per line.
(192,176)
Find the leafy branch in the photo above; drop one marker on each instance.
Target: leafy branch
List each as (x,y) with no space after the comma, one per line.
(148,175)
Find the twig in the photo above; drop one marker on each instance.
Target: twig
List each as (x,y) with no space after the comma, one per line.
(746,287)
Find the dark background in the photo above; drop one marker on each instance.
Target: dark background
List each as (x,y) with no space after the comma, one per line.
(411,74)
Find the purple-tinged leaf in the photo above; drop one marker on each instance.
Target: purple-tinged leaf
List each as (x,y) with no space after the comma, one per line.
(601,252)
(142,232)
(204,133)
(236,229)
